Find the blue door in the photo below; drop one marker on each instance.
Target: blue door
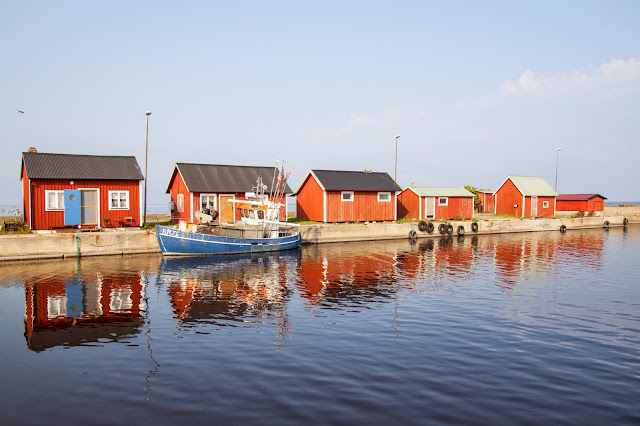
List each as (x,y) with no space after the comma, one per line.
(72,207)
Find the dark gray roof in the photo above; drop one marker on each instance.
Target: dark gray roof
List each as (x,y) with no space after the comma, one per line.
(218,178)
(335,180)
(40,165)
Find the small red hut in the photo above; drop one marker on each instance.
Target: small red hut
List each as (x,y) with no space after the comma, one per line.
(525,196)
(587,204)
(83,191)
(347,196)
(435,203)
(487,201)
(194,187)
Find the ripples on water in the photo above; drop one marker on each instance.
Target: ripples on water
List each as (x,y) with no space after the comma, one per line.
(522,328)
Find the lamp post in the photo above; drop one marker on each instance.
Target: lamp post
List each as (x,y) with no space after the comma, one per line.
(557,155)
(395,175)
(146,183)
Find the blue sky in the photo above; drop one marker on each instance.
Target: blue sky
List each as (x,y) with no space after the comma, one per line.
(476,90)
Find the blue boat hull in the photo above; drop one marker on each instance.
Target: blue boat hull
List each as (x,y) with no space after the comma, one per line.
(181,243)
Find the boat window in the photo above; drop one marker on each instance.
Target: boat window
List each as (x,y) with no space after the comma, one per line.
(252,214)
(260,214)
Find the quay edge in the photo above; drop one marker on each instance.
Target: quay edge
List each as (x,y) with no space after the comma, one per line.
(69,245)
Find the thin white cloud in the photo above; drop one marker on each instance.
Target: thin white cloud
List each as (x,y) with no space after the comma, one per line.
(356,121)
(608,79)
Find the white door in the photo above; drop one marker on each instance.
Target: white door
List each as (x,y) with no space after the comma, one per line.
(534,206)
(431,207)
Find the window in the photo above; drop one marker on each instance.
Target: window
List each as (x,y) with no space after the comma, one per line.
(180,202)
(347,195)
(54,200)
(118,200)
(545,204)
(384,196)
(260,214)
(443,201)
(208,202)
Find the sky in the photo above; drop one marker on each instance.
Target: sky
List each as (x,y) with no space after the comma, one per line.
(477,91)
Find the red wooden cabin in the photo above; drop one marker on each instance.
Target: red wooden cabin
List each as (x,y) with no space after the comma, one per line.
(487,201)
(525,196)
(83,191)
(581,203)
(435,203)
(194,187)
(346,196)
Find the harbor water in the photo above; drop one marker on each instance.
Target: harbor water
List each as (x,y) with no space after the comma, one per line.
(529,328)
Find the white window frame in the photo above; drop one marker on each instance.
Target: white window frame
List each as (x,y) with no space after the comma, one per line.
(180,202)
(446,201)
(119,207)
(545,204)
(388,200)
(215,200)
(350,194)
(59,196)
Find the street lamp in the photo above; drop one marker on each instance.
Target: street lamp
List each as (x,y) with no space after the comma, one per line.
(395,175)
(557,155)
(146,183)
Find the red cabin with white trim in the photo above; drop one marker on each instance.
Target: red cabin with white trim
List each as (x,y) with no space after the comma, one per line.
(346,196)
(525,196)
(80,191)
(435,203)
(590,204)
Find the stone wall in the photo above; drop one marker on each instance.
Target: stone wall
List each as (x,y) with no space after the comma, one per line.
(632,213)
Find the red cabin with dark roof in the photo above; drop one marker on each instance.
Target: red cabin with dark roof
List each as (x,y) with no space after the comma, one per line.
(80,191)
(347,196)
(194,187)
(581,203)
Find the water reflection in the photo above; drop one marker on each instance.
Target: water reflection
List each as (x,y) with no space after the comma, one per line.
(81,303)
(91,301)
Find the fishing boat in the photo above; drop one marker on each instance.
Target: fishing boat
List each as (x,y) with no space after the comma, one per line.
(258,230)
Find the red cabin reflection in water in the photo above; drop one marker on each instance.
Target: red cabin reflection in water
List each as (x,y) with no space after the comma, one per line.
(353,271)
(76,310)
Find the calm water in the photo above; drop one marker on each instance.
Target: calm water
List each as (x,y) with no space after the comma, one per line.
(522,329)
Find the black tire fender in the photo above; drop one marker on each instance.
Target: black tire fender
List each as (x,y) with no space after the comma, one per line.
(449,229)
(422,226)
(563,228)
(606,224)
(442,228)
(625,221)
(460,230)
(413,235)
(474,226)
(430,227)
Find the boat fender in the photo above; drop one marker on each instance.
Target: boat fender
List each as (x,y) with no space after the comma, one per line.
(563,228)
(449,229)
(474,226)
(460,230)
(430,227)
(606,224)
(442,228)
(625,221)
(422,225)
(413,235)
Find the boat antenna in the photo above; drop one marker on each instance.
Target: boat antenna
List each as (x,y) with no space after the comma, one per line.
(273,179)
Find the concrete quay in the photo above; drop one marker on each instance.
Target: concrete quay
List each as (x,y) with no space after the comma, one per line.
(487,224)
(127,242)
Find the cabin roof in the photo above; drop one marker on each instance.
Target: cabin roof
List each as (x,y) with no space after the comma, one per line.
(218,178)
(531,186)
(41,165)
(339,180)
(578,197)
(442,192)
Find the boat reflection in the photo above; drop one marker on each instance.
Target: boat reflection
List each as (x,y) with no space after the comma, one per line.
(225,289)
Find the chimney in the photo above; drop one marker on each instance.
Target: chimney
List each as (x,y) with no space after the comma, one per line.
(32,149)
(412,184)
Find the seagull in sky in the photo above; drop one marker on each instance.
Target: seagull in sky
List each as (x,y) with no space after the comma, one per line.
(21,112)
